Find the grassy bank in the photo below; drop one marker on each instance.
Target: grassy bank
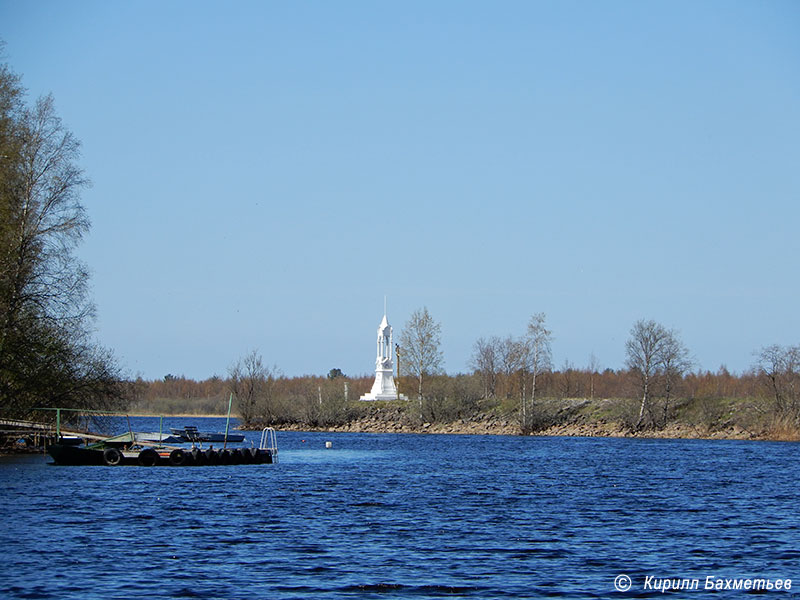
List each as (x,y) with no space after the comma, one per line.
(724,418)
(721,417)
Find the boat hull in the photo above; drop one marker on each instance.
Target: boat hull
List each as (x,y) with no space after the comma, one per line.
(65,454)
(191,434)
(233,438)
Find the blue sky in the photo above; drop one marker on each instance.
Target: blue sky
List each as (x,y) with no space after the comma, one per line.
(264,173)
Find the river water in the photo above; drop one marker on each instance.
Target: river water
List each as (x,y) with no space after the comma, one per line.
(408,516)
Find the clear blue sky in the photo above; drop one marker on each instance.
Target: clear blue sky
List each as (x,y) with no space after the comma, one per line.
(265,172)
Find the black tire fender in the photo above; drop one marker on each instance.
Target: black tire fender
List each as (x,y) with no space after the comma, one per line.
(178,458)
(148,457)
(112,457)
(198,456)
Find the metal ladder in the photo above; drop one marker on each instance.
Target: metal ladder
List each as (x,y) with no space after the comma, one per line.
(269,442)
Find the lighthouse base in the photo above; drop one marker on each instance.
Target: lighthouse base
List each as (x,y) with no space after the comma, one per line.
(383,388)
(394,396)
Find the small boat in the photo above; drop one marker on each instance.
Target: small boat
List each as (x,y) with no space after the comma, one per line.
(70,440)
(157,437)
(190,434)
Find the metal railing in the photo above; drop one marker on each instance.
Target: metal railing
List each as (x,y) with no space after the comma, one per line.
(269,442)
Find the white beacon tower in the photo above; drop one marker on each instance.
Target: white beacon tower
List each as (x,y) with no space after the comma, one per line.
(384,387)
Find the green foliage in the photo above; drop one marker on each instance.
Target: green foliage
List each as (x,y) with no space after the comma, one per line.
(334,373)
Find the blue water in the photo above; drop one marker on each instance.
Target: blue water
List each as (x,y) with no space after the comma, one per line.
(406,516)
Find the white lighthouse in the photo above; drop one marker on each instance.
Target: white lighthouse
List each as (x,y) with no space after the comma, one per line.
(384,387)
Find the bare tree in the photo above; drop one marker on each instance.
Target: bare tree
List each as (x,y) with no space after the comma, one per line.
(420,341)
(568,384)
(594,369)
(252,384)
(645,349)
(538,359)
(674,363)
(524,360)
(508,351)
(486,361)
(779,369)
(48,221)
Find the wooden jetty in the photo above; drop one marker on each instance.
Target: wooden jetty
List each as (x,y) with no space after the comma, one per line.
(20,435)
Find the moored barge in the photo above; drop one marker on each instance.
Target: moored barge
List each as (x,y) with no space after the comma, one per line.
(126,450)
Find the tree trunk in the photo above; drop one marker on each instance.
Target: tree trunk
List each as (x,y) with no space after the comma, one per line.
(642,407)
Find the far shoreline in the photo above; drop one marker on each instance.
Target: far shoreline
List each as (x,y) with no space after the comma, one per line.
(677,431)
(494,426)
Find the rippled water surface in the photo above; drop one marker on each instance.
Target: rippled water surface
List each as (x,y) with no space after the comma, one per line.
(406,516)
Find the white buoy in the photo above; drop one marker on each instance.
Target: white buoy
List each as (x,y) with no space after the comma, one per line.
(329,444)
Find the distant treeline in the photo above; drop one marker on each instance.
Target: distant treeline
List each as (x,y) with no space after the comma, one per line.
(318,401)
(211,395)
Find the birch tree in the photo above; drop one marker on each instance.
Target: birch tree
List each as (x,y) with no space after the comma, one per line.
(537,359)
(645,349)
(420,341)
